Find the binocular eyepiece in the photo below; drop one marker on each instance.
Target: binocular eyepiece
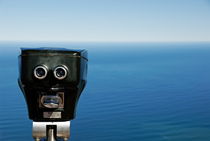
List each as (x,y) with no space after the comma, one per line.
(40,72)
(60,72)
(52,81)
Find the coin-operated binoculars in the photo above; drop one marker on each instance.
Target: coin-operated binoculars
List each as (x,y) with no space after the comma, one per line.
(52,81)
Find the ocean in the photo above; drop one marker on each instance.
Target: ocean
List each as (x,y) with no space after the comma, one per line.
(135,92)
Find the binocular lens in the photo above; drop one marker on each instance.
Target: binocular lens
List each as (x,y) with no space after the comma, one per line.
(40,72)
(60,72)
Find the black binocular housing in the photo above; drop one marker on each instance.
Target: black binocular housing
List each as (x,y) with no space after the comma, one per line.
(52,80)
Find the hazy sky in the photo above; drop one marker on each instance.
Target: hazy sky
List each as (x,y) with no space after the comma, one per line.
(105,20)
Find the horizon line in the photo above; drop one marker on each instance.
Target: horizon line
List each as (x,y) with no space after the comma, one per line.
(50,41)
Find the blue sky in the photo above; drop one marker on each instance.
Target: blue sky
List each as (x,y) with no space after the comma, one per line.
(105,20)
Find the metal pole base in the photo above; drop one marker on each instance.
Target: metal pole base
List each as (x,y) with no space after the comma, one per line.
(51,130)
(51,135)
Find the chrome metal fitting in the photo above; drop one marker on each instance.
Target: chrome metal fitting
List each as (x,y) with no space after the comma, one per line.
(41,130)
(60,72)
(40,72)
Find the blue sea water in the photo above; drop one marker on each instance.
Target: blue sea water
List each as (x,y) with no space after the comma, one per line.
(135,92)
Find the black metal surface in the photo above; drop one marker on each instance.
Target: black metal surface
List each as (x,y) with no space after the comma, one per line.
(33,89)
